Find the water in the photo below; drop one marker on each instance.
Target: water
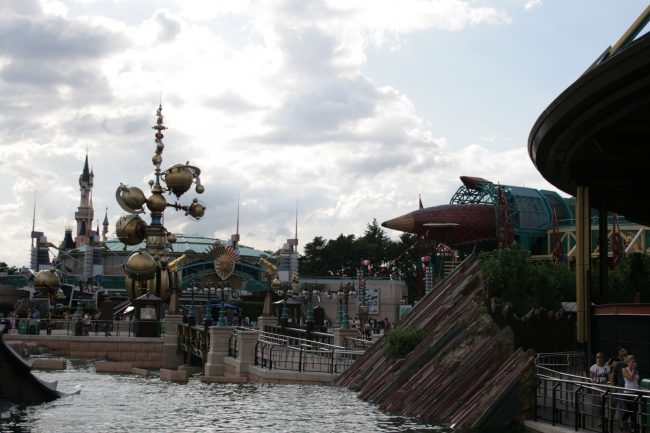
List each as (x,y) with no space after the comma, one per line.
(130,403)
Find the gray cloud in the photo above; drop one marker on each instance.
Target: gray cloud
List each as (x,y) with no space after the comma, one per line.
(231,102)
(169,27)
(21,7)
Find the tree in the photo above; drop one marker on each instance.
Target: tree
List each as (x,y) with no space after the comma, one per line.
(513,277)
(10,270)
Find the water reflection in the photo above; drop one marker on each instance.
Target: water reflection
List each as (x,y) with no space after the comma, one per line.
(128,403)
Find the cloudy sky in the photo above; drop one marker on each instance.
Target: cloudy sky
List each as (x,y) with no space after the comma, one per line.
(353,108)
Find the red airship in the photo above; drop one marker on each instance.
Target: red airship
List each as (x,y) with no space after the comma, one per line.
(459,226)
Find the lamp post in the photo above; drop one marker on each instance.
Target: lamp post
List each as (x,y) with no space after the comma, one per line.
(224,289)
(345,292)
(308,290)
(286,290)
(209,290)
(192,289)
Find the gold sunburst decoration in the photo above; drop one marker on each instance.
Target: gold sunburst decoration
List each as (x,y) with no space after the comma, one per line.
(224,264)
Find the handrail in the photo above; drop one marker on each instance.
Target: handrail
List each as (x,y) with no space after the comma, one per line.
(599,386)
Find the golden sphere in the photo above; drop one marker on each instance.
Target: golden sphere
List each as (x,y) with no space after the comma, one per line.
(276,284)
(140,266)
(179,179)
(164,261)
(133,197)
(200,189)
(157,203)
(130,229)
(197,210)
(47,282)
(156,159)
(171,238)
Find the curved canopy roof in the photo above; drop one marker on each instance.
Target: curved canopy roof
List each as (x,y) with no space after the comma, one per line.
(597,132)
(197,244)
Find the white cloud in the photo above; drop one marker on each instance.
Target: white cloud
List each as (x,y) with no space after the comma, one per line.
(277,110)
(531,4)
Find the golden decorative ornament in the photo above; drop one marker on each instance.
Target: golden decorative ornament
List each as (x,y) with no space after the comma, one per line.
(130,229)
(225,263)
(157,203)
(197,210)
(171,238)
(179,178)
(140,266)
(47,282)
(132,197)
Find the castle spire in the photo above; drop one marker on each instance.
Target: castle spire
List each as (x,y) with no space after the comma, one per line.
(85,175)
(105,224)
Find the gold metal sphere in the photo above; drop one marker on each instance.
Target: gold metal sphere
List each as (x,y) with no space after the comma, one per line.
(200,189)
(171,238)
(179,179)
(156,159)
(197,210)
(133,197)
(130,229)
(276,284)
(47,282)
(157,203)
(164,261)
(140,266)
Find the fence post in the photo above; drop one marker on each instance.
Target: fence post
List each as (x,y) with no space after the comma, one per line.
(256,346)
(576,409)
(603,405)
(635,412)
(300,360)
(554,401)
(271,358)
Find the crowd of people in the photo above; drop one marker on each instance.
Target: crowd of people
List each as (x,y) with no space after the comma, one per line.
(620,371)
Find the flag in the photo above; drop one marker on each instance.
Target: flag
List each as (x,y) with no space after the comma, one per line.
(421,207)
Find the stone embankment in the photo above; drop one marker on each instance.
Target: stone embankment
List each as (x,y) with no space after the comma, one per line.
(139,352)
(466,372)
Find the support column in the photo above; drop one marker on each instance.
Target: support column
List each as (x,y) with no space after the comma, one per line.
(603,234)
(583,258)
(341,334)
(171,359)
(219,339)
(265,320)
(246,349)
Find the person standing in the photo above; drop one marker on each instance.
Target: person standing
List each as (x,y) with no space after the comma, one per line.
(599,374)
(616,379)
(631,377)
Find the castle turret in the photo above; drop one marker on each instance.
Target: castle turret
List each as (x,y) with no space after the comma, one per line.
(105,224)
(84,212)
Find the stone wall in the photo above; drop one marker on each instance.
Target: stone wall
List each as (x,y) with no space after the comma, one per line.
(140,352)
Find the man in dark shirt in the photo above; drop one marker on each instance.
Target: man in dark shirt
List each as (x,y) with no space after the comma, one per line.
(616,378)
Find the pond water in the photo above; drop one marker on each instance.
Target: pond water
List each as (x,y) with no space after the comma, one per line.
(130,403)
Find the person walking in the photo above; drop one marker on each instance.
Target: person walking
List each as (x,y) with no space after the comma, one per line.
(599,374)
(631,377)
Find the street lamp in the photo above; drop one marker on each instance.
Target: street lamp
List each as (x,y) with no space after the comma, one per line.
(285,290)
(192,288)
(209,290)
(224,289)
(309,289)
(345,292)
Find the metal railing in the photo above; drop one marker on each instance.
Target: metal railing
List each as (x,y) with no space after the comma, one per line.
(301,359)
(583,405)
(194,340)
(94,328)
(356,343)
(571,363)
(299,334)
(233,343)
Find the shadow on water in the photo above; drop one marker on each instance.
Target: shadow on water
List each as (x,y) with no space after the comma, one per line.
(129,403)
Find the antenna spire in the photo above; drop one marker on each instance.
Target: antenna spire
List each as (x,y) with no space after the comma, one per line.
(34,219)
(237,214)
(296,219)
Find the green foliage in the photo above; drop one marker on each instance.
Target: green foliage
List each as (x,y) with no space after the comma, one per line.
(625,281)
(513,277)
(10,270)
(252,310)
(341,257)
(401,341)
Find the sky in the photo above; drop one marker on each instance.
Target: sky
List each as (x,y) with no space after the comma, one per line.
(347,109)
